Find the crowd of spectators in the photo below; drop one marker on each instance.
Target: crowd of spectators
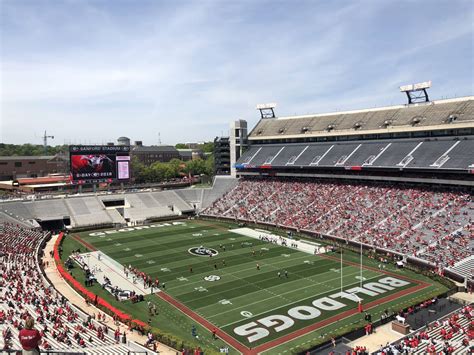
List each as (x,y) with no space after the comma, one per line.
(25,298)
(434,225)
(454,334)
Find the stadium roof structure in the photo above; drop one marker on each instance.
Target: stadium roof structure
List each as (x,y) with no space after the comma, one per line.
(435,115)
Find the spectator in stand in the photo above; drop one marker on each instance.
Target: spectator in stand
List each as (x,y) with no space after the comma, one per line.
(30,338)
(25,294)
(433,225)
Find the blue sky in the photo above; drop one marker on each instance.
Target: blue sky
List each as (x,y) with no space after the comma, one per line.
(91,71)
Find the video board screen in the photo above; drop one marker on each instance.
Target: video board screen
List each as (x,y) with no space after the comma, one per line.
(123,167)
(99,163)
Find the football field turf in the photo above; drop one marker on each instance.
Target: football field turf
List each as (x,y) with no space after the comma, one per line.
(256,307)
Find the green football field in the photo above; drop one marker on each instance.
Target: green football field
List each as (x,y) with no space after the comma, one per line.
(256,307)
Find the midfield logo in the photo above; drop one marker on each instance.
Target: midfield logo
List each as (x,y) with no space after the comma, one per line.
(212,278)
(203,251)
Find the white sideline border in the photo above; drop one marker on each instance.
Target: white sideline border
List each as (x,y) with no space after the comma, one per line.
(312,248)
(107,266)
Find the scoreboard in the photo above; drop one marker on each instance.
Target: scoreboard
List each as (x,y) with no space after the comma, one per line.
(99,163)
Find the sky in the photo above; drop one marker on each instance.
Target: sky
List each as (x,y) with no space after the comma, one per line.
(180,71)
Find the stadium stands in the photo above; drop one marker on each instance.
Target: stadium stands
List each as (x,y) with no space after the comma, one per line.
(414,221)
(17,210)
(24,293)
(48,209)
(90,211)
(6,218)
(170,198)
(465,267)
(423,153)
(450,335)
(221,185)
(143,206)
(97,213)
(116,217)
(442,114)
(193,197)
(138,210)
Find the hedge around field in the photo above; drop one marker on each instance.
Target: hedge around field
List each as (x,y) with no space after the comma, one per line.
(134,324)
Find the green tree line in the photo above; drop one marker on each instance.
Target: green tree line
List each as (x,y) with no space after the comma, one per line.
(30,149)
(207,147)
(176,168)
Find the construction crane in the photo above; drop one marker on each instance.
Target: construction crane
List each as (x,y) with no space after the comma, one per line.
(45,142)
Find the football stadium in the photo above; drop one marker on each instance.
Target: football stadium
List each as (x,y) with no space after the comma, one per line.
(333,215)
(335,228)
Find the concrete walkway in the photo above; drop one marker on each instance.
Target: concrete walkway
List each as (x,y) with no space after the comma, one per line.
(384,334)
(465,297)
(68,292)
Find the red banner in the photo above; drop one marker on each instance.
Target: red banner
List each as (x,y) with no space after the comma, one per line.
(82,290)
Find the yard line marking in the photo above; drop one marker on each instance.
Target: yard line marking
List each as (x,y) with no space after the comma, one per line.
(320,325)
(253,268)
(239,271)
(288,304)
(246,295)
(203,322)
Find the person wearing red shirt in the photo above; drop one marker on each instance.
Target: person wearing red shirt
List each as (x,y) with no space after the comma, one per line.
(30,338)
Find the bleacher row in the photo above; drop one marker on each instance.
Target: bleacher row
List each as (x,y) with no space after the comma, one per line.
(443,112)
(221,185)
(453,334)
(422,153)
(86,211)
(25,293)
(465,266)
(433,225)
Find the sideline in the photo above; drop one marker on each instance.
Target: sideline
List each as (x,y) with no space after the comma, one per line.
(312,248)
(63,288)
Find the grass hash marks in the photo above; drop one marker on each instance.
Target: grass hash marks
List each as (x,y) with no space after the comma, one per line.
(229,291)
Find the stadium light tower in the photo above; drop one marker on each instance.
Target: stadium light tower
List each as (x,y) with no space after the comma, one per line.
(416,93)
(45,142)
(267,110)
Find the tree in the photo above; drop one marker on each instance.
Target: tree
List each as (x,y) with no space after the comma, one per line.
(209,165)
(138,170)
(30,149)
(195,167)
(207,147)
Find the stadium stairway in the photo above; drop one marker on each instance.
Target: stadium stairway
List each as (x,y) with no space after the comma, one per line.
(71,214)
(115,216)
(221,185)
(464,267)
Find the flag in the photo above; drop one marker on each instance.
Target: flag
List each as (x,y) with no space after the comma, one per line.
(359,307)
